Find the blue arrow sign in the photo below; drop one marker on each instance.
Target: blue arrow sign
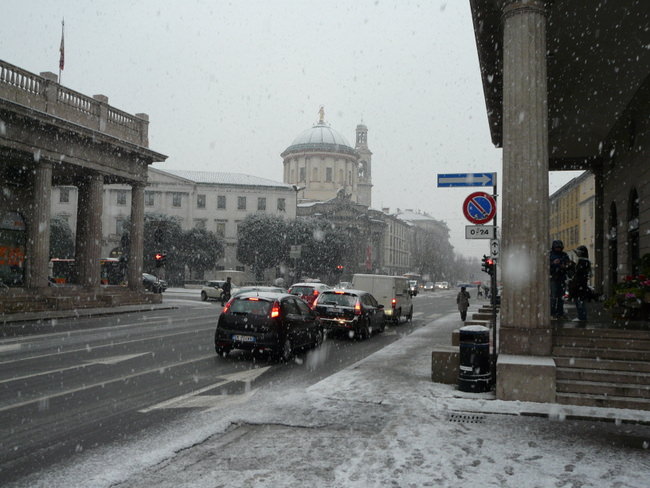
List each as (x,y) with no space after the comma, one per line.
(467,179)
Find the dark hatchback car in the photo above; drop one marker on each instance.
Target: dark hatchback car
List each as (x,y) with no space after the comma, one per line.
(354,311)
(266,322)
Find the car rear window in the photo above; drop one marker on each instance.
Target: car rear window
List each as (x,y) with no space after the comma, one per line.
(340,299)
(302,290)
(251,305)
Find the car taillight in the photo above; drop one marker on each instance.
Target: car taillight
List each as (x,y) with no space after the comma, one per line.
(227,306)
(275,310)
(393,303)
(357,308)
(315,292)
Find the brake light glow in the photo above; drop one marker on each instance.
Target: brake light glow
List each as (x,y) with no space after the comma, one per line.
(339,292)
(275,310)
(227,307)
(393,302)
(315,292)
(357,308)
(253,299)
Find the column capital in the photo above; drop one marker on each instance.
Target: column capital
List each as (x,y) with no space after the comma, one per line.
(515,7)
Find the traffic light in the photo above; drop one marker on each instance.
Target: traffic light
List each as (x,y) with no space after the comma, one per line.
(487,265)
(159,258)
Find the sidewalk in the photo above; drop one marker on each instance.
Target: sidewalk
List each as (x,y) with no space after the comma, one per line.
(380,422)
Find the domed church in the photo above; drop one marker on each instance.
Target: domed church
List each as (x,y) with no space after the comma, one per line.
(322,162)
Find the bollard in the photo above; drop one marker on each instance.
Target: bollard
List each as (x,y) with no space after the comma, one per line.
(474,368)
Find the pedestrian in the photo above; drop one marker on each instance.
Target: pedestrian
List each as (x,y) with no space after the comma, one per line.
(579,284)
(462,299)
(479,292)
(559,261)
(225,291)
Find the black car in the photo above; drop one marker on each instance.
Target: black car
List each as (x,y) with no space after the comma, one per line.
(152,283)
(267,322)
(354,311)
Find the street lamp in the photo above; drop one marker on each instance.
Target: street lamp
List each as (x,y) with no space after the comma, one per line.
(297,189)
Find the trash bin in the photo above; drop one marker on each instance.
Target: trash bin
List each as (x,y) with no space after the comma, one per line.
(474,368)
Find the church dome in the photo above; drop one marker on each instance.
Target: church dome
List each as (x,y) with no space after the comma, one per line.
(321,137)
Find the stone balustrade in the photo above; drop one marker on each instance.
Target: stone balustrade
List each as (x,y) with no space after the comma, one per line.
(43,93)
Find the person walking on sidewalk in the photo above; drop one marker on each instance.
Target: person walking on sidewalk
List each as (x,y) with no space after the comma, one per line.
(559,264)
(579,284)
(462,299)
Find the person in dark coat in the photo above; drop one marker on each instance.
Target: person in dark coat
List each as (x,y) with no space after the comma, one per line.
(462,299)
(559,261)
(226,288)
(579,284)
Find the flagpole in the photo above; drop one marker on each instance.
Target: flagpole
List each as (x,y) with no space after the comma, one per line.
(61,51)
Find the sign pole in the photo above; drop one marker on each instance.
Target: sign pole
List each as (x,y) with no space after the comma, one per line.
(494,292)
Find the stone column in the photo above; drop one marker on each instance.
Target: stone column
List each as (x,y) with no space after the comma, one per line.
(600,241)
(38,238)
(88,245)
(136,247)
(525,314)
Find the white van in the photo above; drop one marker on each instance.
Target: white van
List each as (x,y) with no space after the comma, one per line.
(390,291)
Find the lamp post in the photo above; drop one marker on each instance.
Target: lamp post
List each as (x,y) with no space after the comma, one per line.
(296,249)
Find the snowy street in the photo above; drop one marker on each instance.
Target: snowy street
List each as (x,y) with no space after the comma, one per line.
(379,422)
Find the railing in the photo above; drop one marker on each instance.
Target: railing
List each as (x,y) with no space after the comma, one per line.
(44,94)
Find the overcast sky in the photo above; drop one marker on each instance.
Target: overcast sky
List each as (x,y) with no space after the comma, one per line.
(229,85)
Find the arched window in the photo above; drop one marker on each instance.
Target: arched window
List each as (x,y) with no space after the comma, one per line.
(612,245)
(633,233)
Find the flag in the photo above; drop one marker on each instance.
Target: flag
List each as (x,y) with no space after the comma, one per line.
(61,50)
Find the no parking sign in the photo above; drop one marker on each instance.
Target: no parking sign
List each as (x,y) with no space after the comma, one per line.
(479,207)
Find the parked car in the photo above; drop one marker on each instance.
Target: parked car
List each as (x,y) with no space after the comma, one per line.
(267,322)
(211,290)
(152,283)
(391,291)
(354,311)
(247,289)
(308,291)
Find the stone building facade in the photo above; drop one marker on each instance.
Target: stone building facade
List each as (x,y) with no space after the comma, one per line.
(213,201)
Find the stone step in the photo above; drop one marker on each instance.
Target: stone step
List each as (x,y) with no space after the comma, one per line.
(603,364)
(602,333)
(602,401)
(602,342)
(627,390)
(601,353)
(603,376)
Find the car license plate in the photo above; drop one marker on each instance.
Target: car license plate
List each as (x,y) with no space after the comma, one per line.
(243,338)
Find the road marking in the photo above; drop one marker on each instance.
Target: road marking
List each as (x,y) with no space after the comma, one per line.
(112,344)
(105,361)
(188,401)
(47,398)
(10,347)
(417,314)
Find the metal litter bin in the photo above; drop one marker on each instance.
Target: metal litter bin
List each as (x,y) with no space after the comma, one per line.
(474,369)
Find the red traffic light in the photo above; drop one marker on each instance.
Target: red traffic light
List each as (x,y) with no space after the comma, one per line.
(158,256)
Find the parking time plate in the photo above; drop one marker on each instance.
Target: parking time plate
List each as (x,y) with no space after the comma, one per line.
(243,338)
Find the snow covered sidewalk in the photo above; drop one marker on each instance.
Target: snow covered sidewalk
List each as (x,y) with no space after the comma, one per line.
(380,422)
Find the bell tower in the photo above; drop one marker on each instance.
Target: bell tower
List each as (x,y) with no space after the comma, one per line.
(364,184)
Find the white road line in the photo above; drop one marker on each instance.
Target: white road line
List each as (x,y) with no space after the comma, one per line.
(417,314)
(68,333)
(10,347)
(112,344)
(188,401)
(105,361)
(47,398)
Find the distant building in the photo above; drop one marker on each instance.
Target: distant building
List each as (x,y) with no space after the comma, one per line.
(322,164)
(214,201)
(573,213)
